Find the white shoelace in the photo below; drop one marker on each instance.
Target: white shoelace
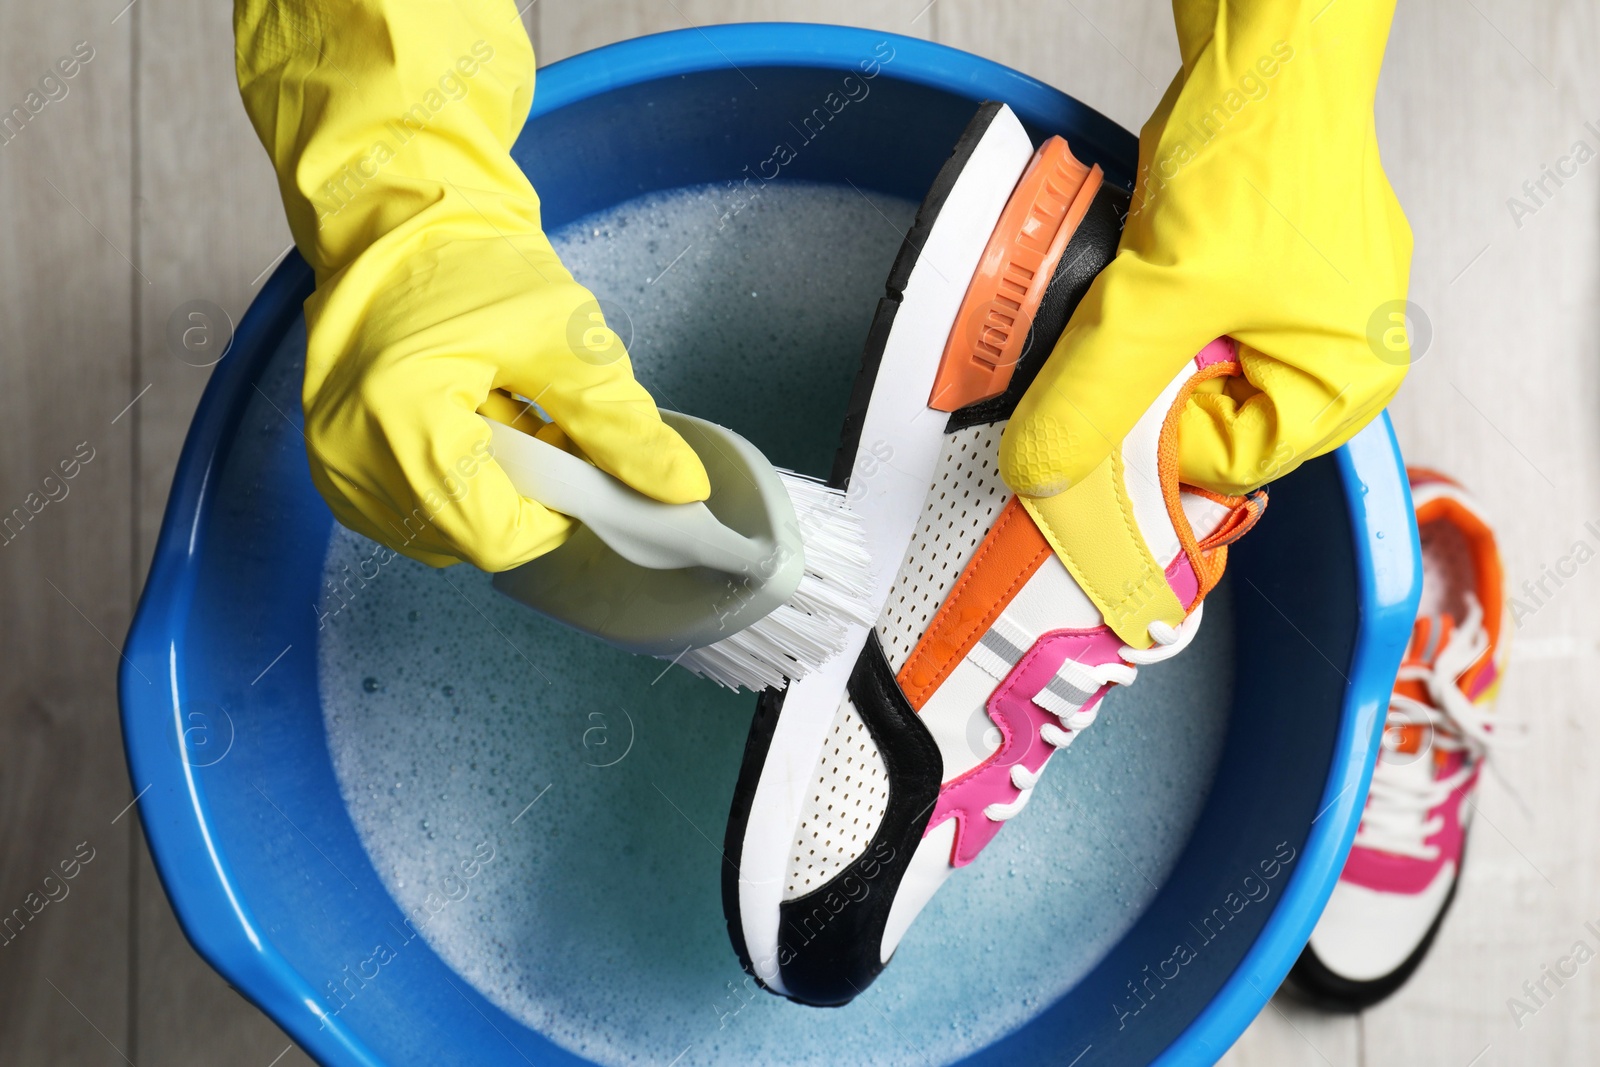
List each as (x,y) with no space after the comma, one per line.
(1404,789)
(1167,640)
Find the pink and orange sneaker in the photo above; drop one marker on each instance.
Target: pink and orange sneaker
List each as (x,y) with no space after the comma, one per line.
(1003,620)
(1402,872)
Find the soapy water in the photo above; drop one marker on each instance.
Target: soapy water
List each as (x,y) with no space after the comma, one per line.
(603,781)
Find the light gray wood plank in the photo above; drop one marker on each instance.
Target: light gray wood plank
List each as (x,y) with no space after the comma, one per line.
(566,27)
(1115,56)
(530,22)
(1290,1034)
(66,292)
(188,1016)
(212,225)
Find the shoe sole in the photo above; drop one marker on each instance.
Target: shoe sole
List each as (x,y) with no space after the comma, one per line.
(1079,226)
(888,451)
(1049,204)
(1059,226)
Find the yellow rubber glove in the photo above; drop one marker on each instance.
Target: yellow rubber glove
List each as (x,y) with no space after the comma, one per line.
(390,123)
(1261,212)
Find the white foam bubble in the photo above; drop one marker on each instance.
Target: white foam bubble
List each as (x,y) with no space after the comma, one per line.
(599,921)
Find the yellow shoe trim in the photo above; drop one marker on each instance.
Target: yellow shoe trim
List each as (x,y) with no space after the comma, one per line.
(1092,529)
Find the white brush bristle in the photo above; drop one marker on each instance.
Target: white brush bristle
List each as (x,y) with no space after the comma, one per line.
(810,628)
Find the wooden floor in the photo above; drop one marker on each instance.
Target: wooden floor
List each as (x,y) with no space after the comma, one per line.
(142,189)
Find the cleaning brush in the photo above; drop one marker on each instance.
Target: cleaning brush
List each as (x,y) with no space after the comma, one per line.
(757,585)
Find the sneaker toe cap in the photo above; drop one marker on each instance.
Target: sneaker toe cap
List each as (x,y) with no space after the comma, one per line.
(1366,934)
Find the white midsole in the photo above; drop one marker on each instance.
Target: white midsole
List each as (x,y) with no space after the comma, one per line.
(901,439)
(929,867)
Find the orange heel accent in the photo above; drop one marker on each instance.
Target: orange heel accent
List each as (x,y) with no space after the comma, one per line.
(1040,218)
(1009,555)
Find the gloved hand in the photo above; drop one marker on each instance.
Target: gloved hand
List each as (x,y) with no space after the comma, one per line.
(1261,212)
(438,295)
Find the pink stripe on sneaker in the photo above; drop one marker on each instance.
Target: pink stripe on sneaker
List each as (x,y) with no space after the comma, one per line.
(1222,350)
(1392,873)
(1019,719)
(1181,577)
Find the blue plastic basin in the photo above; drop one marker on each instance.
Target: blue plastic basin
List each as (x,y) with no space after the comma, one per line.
(240,803)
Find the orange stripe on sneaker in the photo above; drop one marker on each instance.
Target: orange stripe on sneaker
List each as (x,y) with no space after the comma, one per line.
(1009,555)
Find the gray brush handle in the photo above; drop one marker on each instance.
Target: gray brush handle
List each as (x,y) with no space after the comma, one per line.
(641,530)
